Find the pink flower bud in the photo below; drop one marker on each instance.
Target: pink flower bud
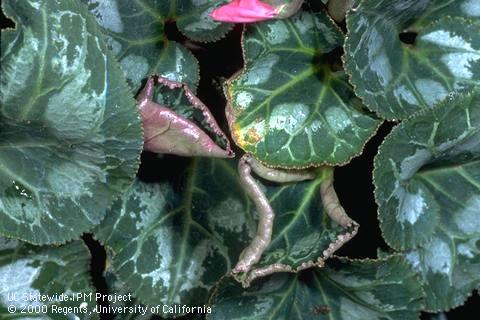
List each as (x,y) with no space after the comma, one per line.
(244,11)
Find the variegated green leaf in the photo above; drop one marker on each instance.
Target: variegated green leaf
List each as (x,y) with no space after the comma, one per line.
(193,19)
(172,241)
(70,135)
(450,268)
(288,107)
(136,34)
(395,78)
(427,174)
(34,282)
(427,178)
(135,310)
(343,290)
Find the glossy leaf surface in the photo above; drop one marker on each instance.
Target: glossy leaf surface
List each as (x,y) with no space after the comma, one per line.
(405,55)
(427,177)
(450,269)
(180,133)
(288,107)
(70,134)
(29,273)
(136,310)
(172,241)
(136,34)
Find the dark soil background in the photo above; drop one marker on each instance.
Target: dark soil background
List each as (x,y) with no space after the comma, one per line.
(353,182)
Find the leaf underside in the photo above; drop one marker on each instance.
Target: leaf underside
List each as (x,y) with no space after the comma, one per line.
(159,130)
(70,132)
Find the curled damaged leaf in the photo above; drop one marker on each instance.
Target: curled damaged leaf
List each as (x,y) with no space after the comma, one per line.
(165,131)
(337,9)
(248,267)
(245,11)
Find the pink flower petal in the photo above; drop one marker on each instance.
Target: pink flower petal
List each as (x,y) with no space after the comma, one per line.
(244,11)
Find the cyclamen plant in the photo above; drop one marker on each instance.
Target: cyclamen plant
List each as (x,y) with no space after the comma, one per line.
(247,231)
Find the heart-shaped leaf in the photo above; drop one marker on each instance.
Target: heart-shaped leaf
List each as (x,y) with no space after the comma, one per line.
(288,107)
(427,173)
(136,34)
(46,281)
(344,290)
(172,241)
(70,134)
(427,178)
(405,55)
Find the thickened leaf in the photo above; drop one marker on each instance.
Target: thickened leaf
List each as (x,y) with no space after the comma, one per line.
(288,107)
(405,55)
(427,178)
(70,134)
(304,235)
(37,280)
(168,132)
(344,290)
(136,34)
